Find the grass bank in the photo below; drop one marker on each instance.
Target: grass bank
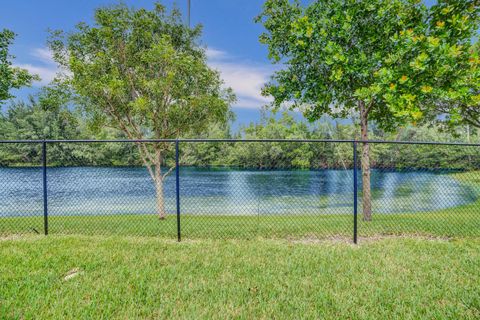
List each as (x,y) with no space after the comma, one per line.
(75,277)
(460,221)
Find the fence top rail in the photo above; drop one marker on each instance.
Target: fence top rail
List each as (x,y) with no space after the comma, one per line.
(244,140)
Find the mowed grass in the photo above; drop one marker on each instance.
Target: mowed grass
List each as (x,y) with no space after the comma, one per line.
(131,267)
(128,278)
(461,221)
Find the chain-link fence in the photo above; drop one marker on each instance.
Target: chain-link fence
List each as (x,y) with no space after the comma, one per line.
(302,189)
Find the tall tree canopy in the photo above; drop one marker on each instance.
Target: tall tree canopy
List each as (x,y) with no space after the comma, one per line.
(387,60)
(462,105)
(144,73)
(11,77)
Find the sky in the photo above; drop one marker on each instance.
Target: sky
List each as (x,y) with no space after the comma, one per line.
(229,33)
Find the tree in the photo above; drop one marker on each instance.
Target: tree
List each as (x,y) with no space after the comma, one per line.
(144,73)
(43,116)
(462,105)
(11,77)
(387,60)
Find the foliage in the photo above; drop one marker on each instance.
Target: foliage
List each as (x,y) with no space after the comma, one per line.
(144,73)
(33,121)
(408,56)
(461,106)
(49,116)
(11,77)
(36,119)
(391,71)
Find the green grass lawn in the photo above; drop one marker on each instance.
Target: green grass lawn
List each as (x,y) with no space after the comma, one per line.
(128,277)
(124,267)
(461,221)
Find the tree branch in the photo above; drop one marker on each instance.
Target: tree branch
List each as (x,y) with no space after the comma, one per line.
(168,172)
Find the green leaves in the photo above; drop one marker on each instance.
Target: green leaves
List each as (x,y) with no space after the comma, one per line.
(398,56)
(11,77)
(144,72)
(420,62)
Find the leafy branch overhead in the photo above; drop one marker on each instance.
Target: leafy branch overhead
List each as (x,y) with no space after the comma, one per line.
(11,77)
(398,57)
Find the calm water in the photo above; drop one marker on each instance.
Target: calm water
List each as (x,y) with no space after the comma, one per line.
(218,191)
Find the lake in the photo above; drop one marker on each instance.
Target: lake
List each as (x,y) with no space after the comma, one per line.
(99,190)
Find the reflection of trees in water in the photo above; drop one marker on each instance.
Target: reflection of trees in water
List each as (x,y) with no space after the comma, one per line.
(94,190)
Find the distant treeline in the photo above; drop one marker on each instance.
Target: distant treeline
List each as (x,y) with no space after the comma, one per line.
(32,121)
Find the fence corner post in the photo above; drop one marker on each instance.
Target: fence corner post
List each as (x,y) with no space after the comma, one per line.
(177,188)
(45,190)
(355,196)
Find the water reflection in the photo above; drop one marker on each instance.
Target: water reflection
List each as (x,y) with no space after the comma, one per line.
(221,191)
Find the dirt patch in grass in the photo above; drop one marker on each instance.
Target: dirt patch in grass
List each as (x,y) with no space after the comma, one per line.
(13,237)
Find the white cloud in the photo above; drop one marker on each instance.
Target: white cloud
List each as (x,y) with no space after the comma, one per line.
(46,74)
(215,54)
(43,55)
(44,66)
(246,79)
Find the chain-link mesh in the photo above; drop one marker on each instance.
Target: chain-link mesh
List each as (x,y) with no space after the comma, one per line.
(270,190)
(421,189)
(239,189)
(21,192)
(113,194)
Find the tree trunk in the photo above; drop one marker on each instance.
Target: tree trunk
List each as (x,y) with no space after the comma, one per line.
(152,160)
(160,199)
(366,190)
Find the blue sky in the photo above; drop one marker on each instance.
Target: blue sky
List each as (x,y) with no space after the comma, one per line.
(229,33)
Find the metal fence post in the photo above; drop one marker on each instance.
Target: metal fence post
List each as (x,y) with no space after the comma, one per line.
(177,187)
(355,196)
(45,193)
